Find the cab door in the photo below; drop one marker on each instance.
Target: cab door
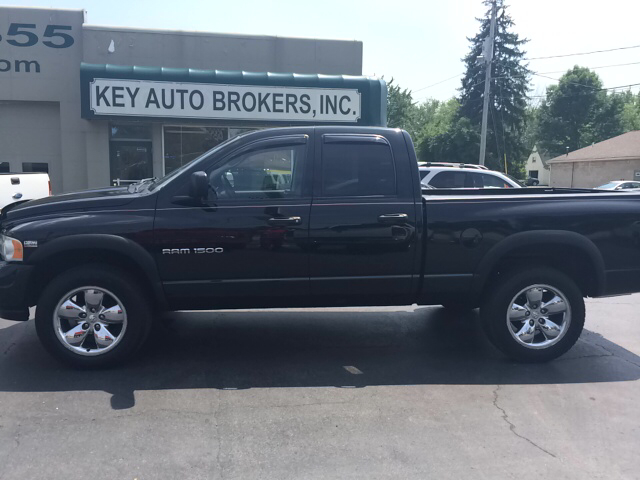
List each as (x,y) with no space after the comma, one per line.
(247,247)
(363,221)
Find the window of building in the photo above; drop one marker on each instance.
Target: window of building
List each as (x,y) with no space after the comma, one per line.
(185,143)
(130,131)
(35,167)
(130,152)
(5,167)
(533,173)
(357,169)
(262,174)
(533,159)
(234,132)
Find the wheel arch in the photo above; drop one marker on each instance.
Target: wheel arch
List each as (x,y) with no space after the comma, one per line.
(569,252)
(63,253)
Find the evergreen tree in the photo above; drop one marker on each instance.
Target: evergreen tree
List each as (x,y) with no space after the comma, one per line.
(508,92)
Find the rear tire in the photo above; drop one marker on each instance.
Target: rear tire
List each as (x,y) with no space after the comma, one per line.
(93,316)
(534,315)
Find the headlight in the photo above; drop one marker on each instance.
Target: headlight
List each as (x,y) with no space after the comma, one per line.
(11,249)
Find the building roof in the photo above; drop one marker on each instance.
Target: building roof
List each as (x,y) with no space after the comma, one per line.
(622,147)
(544,156)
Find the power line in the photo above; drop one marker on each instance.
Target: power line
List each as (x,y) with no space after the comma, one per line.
(438,83)
(598,90)
(595,68)
(583,53)
(568,81)
(556,71)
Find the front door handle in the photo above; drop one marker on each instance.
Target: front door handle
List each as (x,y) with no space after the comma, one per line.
(393,218)
(284,221)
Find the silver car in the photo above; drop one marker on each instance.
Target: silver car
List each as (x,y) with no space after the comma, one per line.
(627,186)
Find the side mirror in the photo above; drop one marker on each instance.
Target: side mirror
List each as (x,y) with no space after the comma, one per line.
(199,186)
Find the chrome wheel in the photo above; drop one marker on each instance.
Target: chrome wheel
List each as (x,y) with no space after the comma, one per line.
(90,321)
(539,316)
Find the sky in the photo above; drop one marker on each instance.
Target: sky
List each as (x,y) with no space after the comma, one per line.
(418,43)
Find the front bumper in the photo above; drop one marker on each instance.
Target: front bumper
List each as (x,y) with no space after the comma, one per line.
(14,279)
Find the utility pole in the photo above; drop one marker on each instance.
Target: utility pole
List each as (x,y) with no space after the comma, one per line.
(487,54)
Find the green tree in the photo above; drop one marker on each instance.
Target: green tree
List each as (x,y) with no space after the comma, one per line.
(578,112)
(631,112)
(446,136)
(402,112)
(508,93)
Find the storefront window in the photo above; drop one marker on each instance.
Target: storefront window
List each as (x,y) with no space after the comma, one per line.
(130,152)
(35,167)
(130,132)
(234,132)
(185,143)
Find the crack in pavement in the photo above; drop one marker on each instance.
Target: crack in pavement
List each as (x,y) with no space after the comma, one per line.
(512,427)
(13,344)
(4,463)
(614,355)
(214,414)
(584,356)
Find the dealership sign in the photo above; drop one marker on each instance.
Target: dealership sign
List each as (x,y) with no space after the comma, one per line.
(145,98)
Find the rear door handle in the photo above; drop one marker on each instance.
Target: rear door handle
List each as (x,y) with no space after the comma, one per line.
(393,218)
(284,221)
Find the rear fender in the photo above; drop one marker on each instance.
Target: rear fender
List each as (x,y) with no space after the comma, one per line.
(536,238)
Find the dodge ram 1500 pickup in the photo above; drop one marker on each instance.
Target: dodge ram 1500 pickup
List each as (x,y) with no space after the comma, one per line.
(308,217)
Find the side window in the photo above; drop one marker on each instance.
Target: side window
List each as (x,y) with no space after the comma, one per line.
(474,180)
(449,180)
(261,174)
(4,167)
(492,181)
(423,173)
(351,168)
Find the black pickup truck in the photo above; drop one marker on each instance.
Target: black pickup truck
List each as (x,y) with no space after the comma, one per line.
(308,217)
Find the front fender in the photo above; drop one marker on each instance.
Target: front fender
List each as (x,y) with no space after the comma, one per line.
(124,247)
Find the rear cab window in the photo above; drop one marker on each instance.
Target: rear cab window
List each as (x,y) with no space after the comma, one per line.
(357,166)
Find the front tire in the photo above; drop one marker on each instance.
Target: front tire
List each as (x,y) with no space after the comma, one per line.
(93,316)
(534,315)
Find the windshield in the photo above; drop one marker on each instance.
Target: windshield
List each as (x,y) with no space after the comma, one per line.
(178,171)
(609,185)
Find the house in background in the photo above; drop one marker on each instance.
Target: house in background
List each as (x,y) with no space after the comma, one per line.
(617,158)
(537,166)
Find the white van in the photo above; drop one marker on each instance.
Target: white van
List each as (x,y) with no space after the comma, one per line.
(23,186)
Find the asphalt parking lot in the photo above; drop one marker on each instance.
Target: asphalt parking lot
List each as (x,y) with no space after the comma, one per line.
(337,393)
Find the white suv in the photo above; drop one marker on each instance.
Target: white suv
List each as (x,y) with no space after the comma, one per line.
(460,175)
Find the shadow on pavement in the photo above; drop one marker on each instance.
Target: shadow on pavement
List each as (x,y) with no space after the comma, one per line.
(268,349)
